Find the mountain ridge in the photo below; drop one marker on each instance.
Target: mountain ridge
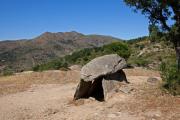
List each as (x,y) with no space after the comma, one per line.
(22,54)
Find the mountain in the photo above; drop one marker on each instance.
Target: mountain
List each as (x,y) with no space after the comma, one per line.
(19,55)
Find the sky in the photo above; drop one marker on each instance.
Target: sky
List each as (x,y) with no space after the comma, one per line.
(21,19)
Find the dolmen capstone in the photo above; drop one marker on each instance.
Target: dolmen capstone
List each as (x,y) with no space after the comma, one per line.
(101,76)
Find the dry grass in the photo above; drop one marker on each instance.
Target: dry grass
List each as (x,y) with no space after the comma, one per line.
(151,100)
(141,72)
(146,102)
(21,82)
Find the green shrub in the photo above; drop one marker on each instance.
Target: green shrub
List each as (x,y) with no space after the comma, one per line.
(85,55)
(52,65)
(141,62)
(36,68)
(137,40)
(171,77)
(7,72)
(119,48)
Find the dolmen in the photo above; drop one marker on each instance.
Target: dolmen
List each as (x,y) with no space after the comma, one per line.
(100,77)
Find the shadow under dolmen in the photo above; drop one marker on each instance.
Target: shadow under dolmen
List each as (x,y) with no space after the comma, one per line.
(101,87)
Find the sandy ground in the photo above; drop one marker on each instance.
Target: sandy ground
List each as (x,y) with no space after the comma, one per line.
(53,101)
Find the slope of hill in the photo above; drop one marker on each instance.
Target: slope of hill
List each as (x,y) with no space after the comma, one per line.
(83,56)
(150,54)
(21,55)
(140,52)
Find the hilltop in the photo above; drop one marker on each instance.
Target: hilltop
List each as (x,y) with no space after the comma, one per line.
(20,55)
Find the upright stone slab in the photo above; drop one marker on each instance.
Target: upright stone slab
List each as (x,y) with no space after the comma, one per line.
(111,83)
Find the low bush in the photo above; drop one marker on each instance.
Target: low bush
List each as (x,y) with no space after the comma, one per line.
(7,72)
(52,65)
(140,62)
(85,55)
(171,77)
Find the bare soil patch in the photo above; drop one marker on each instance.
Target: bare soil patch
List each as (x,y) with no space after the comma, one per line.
(23,81)
(49,95)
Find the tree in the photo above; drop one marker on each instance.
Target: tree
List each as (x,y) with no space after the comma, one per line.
(154,33)
(158,13)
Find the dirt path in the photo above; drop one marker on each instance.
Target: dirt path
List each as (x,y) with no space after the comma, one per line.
(54,102)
